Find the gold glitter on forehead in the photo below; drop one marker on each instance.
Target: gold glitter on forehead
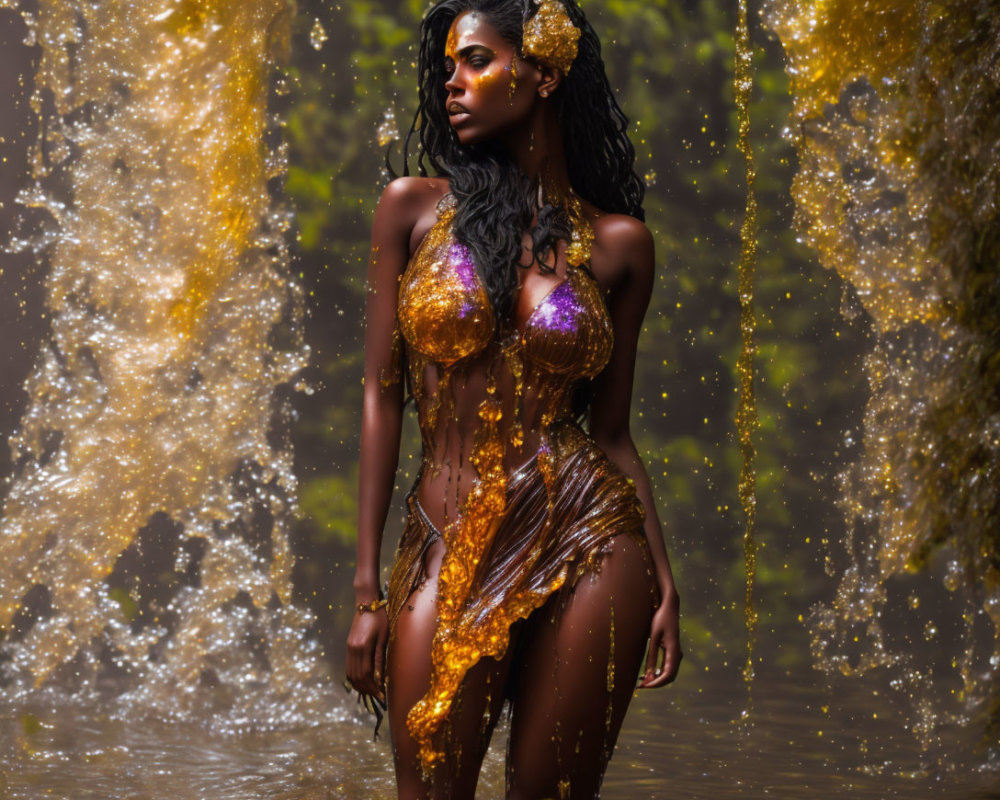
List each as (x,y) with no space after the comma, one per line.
(451,46)
(550,36)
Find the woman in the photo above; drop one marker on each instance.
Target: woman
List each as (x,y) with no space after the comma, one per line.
(510,291)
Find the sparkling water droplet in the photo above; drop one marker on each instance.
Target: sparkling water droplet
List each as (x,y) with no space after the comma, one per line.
(953,576)
(318,35)
(387,131)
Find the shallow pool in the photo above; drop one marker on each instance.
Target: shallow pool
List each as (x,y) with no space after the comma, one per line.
(681,742)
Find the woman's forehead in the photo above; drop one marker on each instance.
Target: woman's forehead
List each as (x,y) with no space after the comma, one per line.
(471,28)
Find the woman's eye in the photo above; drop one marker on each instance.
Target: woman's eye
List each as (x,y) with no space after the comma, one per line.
(479,61)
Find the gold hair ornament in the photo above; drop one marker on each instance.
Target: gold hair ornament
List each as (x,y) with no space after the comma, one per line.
(550,36)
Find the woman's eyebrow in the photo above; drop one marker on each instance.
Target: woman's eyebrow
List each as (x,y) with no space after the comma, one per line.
(471,48)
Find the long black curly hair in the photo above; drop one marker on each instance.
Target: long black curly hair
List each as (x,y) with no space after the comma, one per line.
(495,201)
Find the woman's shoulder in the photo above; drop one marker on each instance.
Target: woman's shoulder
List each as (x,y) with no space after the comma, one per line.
(413,191)
(622,248)
(620,231)
(408,204)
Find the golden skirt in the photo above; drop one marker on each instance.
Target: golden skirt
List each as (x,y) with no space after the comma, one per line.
(559,519)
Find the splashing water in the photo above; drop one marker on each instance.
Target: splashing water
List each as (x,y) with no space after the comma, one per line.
(145,530)
(899,191)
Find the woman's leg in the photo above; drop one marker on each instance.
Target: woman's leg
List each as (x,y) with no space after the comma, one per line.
(576,674)
(467,731)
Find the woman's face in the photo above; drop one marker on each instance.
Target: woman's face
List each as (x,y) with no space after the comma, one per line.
(490,90)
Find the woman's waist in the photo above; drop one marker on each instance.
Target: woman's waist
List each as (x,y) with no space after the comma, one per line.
(449,470)
(568,465)
(455,441)
(453,408)
(455,476)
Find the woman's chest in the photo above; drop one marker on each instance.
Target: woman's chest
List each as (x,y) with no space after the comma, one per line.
(560,323)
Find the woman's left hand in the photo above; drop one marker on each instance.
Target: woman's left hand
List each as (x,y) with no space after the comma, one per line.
(664,635)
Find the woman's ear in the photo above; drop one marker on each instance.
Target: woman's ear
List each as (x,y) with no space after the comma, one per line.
(551,78)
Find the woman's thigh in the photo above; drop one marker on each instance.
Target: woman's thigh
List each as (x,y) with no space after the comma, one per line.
(466,733)
(576,674)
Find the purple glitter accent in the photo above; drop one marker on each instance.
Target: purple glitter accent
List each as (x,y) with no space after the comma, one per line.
(560,310)
(461,259)
(466,309)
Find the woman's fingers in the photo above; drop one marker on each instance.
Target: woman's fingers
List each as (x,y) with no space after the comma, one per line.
(663,636)
(668,671)
(359,657)
(355,665)
(652,657)
(660,674)
(365,662)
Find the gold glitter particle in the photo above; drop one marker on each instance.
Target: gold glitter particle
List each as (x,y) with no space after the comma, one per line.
(387,131)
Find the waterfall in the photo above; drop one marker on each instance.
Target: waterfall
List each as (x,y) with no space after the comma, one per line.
(145,532)
(896,127)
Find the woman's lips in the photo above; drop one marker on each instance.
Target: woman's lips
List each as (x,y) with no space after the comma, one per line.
(457,114)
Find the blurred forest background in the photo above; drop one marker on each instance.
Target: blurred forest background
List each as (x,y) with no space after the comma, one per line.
(353,84)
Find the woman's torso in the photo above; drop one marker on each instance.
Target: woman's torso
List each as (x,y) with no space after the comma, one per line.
(478,385)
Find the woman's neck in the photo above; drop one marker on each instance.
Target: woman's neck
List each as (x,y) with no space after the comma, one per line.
(539,153)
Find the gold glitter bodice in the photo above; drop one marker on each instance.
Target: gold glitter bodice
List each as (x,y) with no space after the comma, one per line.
(445,314)
(569,332)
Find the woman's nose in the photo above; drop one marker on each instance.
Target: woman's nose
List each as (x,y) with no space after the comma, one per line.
(453,85)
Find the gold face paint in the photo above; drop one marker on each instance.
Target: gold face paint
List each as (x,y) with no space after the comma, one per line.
(512,87)
(462,34)
(451,45)
(482,78)
(487,78)
(461,38)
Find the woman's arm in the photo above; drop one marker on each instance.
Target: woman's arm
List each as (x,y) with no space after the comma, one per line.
(381,424)
(627,263)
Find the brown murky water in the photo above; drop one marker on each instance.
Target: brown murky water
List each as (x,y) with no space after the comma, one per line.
(678,743)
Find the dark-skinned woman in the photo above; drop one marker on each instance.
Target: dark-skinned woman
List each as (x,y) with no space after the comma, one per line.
(505,297)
